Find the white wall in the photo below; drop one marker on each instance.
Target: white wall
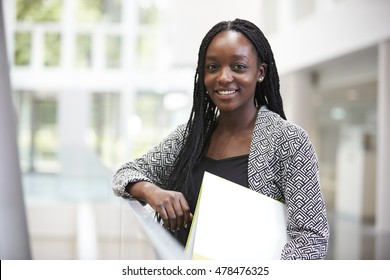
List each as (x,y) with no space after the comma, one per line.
(334,30)
(189,21)
(350,26)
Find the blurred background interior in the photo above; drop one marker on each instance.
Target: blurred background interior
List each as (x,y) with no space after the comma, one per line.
(95,83)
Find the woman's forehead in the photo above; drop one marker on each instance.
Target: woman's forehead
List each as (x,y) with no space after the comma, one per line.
(233,42)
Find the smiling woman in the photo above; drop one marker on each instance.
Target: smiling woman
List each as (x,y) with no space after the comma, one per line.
(237,118)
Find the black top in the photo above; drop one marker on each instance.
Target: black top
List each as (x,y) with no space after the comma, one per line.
(234,169)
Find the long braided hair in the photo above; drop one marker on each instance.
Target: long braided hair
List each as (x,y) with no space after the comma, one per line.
(204,113)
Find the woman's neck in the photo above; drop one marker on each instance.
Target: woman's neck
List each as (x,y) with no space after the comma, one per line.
(236,122)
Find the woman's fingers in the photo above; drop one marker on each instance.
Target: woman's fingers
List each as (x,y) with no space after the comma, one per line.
(171,222)
(184,215)
(174,210)
(187,216)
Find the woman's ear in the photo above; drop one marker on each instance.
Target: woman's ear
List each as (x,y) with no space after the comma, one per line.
(261,72)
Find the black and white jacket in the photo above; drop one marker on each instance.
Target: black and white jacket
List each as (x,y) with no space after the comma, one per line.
(282,165)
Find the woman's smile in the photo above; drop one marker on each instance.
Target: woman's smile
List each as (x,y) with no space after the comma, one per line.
(226,92)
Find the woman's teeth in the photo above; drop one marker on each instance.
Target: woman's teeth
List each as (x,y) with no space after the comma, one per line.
(226,92)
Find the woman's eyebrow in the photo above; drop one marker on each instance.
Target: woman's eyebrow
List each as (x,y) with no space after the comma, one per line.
(234,56)
(239,56)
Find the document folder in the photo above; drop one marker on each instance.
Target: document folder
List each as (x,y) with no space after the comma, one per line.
(232,222)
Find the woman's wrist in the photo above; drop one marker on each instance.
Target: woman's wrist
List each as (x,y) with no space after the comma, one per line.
(141,190)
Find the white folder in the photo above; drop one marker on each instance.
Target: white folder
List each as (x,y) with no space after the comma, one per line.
(232,222)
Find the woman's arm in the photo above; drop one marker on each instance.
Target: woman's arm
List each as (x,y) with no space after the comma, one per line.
(155,166)
(307,222)
(146,179)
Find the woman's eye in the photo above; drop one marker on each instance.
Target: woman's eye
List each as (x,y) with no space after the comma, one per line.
(211,67)
(239,67)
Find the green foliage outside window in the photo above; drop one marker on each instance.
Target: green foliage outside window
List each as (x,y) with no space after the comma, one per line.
(83,50)
(146,50)
(113,51)
(38,10)
(52,48)
(46,136)
(89,10)
(148,12)
(99,10)
(22,50)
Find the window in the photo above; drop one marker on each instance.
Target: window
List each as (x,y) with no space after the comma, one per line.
(146,51)
(83,51)
(113,51)
(38,136)
(22,50)
(148,12)
(150,109)
(52,48)
(99,10)
(103,133)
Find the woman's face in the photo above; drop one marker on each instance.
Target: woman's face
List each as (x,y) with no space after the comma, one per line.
(232,71)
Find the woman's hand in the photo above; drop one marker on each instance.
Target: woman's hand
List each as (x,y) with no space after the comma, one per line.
(170,205)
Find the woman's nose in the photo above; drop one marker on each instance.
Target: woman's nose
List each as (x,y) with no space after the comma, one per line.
(225,76)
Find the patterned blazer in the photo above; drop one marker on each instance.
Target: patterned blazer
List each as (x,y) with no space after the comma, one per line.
(282,164)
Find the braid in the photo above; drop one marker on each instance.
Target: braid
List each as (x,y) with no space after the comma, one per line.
(204,113)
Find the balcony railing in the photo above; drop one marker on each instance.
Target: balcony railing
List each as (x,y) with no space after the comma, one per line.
(165,246)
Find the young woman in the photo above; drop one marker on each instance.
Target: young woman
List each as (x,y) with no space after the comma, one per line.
(237,130)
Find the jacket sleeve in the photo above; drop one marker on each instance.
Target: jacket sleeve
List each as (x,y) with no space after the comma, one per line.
(307,223)
(155,166)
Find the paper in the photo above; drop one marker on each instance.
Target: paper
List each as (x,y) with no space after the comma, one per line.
(233,222)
